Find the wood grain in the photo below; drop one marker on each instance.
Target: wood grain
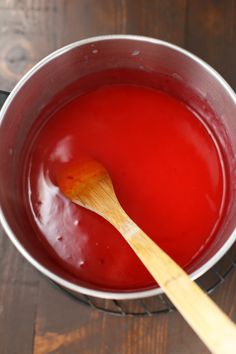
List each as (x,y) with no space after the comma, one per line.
(211,34)
(18,300)
(31,29)
(91,331)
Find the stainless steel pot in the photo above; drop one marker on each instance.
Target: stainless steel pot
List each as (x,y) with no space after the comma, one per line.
(58,71)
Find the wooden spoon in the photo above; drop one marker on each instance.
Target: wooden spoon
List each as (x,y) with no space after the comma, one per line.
(88,184)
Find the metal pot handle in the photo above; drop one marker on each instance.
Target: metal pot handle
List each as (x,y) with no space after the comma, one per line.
(3,97)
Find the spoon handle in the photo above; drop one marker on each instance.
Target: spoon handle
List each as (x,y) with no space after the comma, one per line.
(215,329)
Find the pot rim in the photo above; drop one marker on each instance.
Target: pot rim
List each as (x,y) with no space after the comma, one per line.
(57,279)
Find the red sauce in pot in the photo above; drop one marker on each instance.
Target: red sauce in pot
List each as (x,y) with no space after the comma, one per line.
(166,168)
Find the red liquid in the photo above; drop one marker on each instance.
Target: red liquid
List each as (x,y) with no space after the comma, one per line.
(167,173)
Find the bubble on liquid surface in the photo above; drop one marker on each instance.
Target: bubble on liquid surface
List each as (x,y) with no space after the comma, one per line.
(81,263)
(135,52)
(177,77)
(95,51)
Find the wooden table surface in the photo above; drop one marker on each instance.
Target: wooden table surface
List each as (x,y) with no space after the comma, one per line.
(34,316)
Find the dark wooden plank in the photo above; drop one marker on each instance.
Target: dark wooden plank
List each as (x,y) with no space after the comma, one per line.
(65,326)
(156,18)
(32,29)
(159,19)
(18,300)
(225,296)
(90,18)
(211,34)
(28,32)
